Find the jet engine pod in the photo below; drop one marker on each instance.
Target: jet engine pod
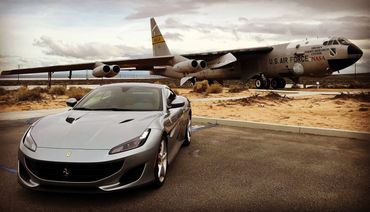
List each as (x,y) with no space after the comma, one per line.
(298,69)
(202,64)
(114,70)
(188,66)
(101,70)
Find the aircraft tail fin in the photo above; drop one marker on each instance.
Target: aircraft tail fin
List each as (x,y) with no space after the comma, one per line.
(159,44)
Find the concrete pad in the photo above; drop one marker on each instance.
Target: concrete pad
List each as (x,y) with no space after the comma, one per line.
(286,128)
(336,133)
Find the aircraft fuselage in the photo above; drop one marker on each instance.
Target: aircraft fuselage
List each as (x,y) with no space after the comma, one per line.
(315,58)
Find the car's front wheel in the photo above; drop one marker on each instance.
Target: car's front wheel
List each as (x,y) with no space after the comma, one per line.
(160,170)
(188,134)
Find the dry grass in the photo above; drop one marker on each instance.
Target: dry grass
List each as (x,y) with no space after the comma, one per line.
(57,90)
(40,90)
(3,92)
(172,85)
(214,88)
(176,91)
(365,97)
(77,92)
(201,87)
(23,94)
(271,97)
(157,82)
(37,94)
(237,88)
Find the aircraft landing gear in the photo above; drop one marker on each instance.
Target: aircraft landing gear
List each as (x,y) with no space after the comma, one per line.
(193,81)
(210,82)
(295,82)
(278,82)
(262,82)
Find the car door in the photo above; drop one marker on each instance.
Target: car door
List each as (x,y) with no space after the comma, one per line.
(173,124)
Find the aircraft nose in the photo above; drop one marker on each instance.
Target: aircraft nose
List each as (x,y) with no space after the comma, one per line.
(353,50)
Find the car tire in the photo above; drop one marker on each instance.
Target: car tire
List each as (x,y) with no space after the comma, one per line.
(187,140)
(161,164)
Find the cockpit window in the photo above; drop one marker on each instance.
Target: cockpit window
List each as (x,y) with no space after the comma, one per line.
(330,42)
(325,43)
(343,41)
(335,42)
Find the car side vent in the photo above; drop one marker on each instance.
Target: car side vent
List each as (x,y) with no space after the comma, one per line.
(125,121)
(71,119)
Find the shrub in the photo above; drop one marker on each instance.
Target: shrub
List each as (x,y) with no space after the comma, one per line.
(214,88)
(23,94)
(200,87)
(3,91)
(40,90)
(236,88)
(77,92)
(57,90)
(176,91)
(172,85)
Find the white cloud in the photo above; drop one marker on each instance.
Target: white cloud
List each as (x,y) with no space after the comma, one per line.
(46,32)
(91,50)
(173,36)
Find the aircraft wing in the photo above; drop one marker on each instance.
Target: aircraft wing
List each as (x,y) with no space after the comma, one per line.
(238,53)
(140,64)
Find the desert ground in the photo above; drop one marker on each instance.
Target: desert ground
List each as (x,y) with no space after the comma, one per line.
(339,111)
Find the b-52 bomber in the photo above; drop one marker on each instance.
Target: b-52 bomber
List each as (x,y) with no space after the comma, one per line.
(268,66)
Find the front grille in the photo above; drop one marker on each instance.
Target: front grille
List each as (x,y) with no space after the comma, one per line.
(72,172)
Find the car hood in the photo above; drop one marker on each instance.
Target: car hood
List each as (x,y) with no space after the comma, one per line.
(75,129)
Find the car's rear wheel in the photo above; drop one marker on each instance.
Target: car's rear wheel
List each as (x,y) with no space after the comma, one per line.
(160,170)
(188,134)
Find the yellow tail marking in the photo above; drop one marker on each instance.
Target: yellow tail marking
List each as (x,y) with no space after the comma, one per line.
(157,39)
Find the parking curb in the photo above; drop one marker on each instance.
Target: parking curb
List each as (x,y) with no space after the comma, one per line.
(285,128)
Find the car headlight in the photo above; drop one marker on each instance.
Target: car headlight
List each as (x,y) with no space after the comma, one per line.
(29,142)
(131,144)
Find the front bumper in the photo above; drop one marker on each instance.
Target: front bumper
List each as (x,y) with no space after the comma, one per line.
(87,170)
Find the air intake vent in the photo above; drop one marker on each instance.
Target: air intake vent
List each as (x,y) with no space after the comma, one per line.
(125,121)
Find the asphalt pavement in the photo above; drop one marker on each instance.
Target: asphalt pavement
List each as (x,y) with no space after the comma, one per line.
(234,169)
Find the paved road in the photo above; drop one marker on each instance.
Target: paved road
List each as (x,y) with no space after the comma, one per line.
(224,168)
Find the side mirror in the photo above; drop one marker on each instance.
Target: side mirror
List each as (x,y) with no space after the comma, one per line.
(71,102)
(177,103)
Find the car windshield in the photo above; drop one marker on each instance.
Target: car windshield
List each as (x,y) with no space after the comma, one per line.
(122,98)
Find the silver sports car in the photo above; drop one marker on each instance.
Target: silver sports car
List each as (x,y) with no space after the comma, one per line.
(118,136)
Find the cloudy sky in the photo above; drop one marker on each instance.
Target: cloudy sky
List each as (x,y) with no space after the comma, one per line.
(41,32)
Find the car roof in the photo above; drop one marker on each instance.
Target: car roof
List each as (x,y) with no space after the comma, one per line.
(135,84)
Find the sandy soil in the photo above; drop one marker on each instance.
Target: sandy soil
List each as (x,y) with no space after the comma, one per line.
(48,102)
(317,111)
